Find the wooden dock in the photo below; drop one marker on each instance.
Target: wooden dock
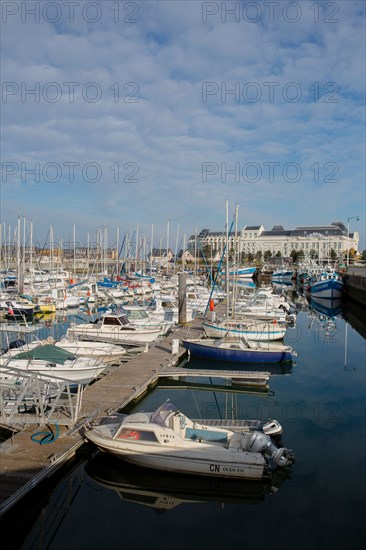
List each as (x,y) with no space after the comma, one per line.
(24,462)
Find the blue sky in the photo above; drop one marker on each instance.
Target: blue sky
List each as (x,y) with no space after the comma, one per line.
(146,112)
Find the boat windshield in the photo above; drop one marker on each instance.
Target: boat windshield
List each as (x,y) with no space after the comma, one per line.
(161,414)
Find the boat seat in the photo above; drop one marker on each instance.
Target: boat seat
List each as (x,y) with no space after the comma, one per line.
(205,435)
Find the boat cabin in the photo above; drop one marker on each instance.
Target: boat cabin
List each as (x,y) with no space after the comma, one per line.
(167,425)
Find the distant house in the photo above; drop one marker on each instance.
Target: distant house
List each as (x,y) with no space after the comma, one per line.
(161,256)
(185,256)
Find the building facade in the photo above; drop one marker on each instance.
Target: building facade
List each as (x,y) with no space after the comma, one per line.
(314,241)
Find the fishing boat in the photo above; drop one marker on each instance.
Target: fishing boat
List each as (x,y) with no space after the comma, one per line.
(327,285)
(241,273)
(238,350)
(115,328)
(167,440)
(282,275)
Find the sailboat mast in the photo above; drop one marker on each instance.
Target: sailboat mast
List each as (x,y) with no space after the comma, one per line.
(227,260)
(151,248)
(167,247)
(117,252)
(176,246)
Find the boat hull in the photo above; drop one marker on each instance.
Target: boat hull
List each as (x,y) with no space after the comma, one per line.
(235,355)
(260,334)
(224,464)
(77,375)
(115,336)
(331,289)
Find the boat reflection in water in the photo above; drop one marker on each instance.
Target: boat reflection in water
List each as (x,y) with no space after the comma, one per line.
(164,492)
(273,368)
(330,308)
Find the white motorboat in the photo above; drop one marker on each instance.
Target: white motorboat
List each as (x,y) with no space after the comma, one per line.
(251,329)
(53,363)
(114,328)
(140,317)
(168,440)
(101,351)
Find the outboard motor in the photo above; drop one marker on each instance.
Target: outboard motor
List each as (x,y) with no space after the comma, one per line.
(258,442)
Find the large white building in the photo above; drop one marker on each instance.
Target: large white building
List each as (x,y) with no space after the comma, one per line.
(312,240)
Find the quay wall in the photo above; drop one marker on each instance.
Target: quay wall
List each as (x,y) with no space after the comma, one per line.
(355,284)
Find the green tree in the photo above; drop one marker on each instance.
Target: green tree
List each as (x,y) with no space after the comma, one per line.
(294,255)
(258,256)
(300,255)
(250,257)
(333,254)
(267,255)
(363,256)
(278,254)
(313,254)
(206,252)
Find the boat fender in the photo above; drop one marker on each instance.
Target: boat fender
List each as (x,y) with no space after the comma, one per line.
(16,344)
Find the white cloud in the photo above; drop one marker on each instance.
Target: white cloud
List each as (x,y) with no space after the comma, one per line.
(169,132)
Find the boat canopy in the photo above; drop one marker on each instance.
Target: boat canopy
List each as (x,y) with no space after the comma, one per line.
(48,352)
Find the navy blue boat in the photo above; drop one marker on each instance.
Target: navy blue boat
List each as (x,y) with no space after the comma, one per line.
(238,350)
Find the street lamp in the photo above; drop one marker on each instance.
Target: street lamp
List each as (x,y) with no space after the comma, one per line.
(348,220)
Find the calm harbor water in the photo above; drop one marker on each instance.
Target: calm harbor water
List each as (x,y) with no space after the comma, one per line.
(318,503)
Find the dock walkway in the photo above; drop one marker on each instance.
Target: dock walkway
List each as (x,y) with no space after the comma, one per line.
(24,462)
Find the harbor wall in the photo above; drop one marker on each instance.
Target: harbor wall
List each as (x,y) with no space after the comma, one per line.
(355,284)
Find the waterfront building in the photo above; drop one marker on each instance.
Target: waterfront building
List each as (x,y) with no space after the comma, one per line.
(314,241)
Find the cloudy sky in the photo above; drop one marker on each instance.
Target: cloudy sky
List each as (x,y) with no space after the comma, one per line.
(144,112)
